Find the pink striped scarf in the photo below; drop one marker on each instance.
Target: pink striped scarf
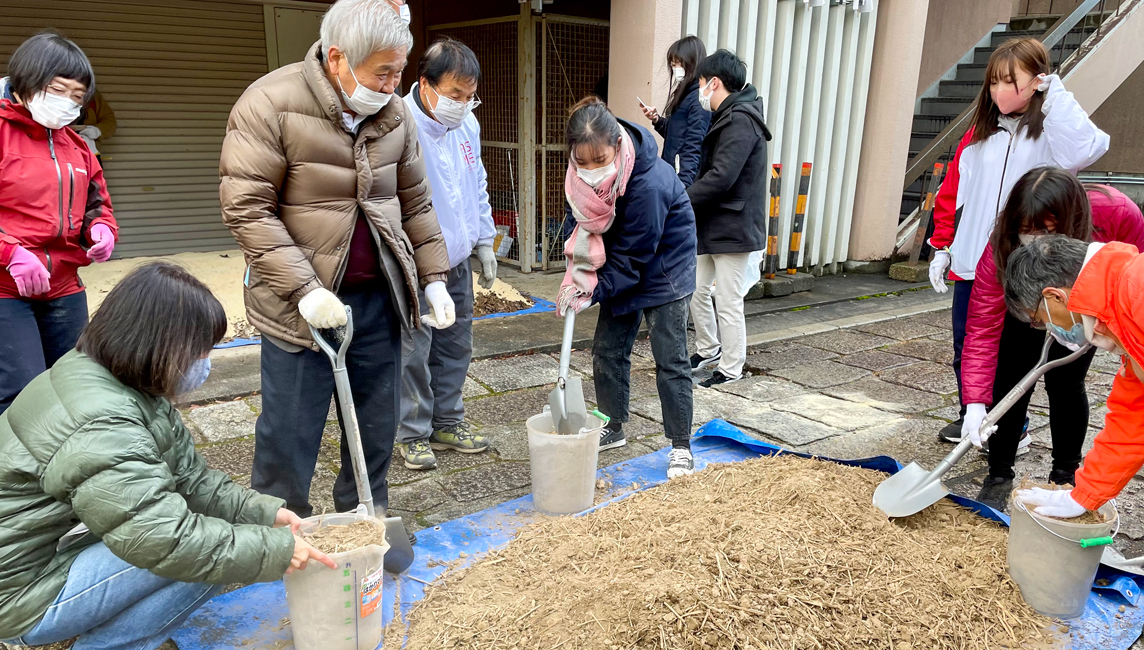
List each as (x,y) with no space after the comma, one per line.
(594,210)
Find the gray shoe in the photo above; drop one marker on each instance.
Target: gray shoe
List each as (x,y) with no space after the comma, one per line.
(418,454)
(459,437)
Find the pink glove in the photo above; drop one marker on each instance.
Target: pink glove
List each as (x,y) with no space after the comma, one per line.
(104,240)
(29,273)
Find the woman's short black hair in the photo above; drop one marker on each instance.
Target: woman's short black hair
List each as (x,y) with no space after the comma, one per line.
(448,56)
(42,58)
(152,326)
(729,68)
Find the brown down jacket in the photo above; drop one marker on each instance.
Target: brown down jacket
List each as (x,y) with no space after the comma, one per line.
(293,179)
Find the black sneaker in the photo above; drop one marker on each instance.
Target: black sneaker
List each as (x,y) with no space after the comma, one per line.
(995,491)
(1063,477)
(699,362)
(612,438)
(719,378)
(951,432)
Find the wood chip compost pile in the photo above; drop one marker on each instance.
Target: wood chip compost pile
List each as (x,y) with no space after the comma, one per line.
(769,553)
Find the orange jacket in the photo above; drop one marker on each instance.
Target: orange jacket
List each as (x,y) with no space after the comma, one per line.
(1110,288)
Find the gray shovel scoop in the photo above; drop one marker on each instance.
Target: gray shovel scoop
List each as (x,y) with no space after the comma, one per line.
(400,554)
(566,401)
(913,489)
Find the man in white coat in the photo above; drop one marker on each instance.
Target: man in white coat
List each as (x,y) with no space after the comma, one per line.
(436,362)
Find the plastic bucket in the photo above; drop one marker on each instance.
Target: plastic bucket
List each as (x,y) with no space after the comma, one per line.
(563,467)
(338,609)
(1048,561)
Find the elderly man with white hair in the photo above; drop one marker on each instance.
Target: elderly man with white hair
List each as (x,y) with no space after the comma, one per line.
(324,187)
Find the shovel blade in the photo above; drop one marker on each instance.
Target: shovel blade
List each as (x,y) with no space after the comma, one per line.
(399,557)
(556,402)
(574,407)
(908,492)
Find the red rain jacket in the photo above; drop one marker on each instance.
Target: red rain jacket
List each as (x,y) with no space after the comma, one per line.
(1114,218)
(52,192)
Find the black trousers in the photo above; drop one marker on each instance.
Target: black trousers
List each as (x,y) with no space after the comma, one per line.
(1068,401)
(296,392)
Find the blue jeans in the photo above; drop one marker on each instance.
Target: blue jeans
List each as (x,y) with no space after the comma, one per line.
(612,364)
(36,333)
(112,605)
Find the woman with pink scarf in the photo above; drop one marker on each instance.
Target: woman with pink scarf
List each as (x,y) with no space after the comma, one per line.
(630,249)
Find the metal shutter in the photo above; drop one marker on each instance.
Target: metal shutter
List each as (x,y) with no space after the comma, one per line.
(171,70)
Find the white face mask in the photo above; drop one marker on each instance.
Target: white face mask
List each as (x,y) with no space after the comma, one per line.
(451,112)
(53,111)
(596,177)
(403,11)
(364,101)
(705,100)
(678,73)
(1027,237)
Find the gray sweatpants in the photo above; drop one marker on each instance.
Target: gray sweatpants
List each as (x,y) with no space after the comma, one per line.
(435,363)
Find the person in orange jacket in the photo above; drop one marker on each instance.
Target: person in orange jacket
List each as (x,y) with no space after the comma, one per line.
(1089,293)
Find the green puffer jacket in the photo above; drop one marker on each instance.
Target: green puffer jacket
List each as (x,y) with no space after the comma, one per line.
(78,446)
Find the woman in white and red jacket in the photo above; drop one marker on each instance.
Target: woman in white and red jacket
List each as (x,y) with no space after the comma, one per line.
(1024,118)
(1000,349)
(55,213)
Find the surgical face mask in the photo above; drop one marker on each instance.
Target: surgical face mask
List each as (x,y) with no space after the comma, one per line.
(53,111)
(596,177)
(1010,99)
(403,11)
(1028,237)
(705,100)
(195,376)
(451,112)
(364,101)
(1073,338)
(678,73)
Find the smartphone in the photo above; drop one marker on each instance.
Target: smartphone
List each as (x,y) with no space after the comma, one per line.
(641,101)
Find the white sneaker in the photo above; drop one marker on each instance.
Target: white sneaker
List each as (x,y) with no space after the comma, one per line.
(679,463)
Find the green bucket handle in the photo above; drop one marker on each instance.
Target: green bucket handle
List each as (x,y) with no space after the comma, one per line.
(600,415)
(1095,541)
(1084,543)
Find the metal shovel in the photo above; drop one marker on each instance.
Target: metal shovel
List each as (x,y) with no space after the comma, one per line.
(400,554)
(913,489)
(566,401)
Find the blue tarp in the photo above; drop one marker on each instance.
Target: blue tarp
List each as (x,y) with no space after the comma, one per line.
(255,616)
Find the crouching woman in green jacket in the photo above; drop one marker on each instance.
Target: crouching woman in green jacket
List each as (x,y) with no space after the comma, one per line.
(95,442)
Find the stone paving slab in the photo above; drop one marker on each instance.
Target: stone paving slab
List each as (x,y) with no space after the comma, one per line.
(223,421)
(763,389)
(417,497)
(1106,362)
(876,360)
(234,457)
(944,335)
(924,349)
(900,329)
(887,397)
(485,481)
(781,356)
(473,388)
(448,462)
(837,413)
(846,341)
(822,374)
(926,375)
(782,427)
(502,409)
(514,373)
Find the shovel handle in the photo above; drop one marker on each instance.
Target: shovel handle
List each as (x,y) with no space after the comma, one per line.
(566,346)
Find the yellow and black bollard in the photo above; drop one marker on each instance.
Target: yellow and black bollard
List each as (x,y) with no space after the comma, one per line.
(773,222)
(799,219)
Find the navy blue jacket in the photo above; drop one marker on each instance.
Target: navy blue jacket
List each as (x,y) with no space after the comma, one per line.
(683,133)
(651,245)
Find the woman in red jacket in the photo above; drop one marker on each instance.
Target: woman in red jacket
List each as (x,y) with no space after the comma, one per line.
(1000,349)
(55,214)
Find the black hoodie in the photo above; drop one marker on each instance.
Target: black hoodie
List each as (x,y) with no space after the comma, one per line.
(730,195)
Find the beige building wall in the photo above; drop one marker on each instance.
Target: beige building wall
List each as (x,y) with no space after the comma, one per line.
(641,32)
(952,27)
(889,119)
(1120,117)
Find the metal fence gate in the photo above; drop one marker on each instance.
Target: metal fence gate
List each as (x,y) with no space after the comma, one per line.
(530,64)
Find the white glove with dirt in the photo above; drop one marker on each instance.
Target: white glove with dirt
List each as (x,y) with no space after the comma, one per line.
(488,261)
(937,269)
(442,312)
(1051,503)
(971,426)
(322,309)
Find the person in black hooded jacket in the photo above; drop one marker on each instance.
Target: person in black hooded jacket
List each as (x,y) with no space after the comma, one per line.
(729,199)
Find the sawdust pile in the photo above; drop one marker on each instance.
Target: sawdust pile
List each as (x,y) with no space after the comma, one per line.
(339,539)
(770,553)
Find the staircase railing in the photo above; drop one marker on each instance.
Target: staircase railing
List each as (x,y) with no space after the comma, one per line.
(952,134)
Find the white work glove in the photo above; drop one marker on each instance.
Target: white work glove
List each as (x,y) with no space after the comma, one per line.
(1051,503)
(90,131)
(322,309)
(1046,80)
(442,312)
(971,426)
(488,261)
(937,269)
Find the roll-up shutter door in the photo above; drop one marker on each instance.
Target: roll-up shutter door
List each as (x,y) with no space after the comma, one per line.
(171,70)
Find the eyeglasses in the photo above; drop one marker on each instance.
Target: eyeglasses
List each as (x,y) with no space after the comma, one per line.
(75,95)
